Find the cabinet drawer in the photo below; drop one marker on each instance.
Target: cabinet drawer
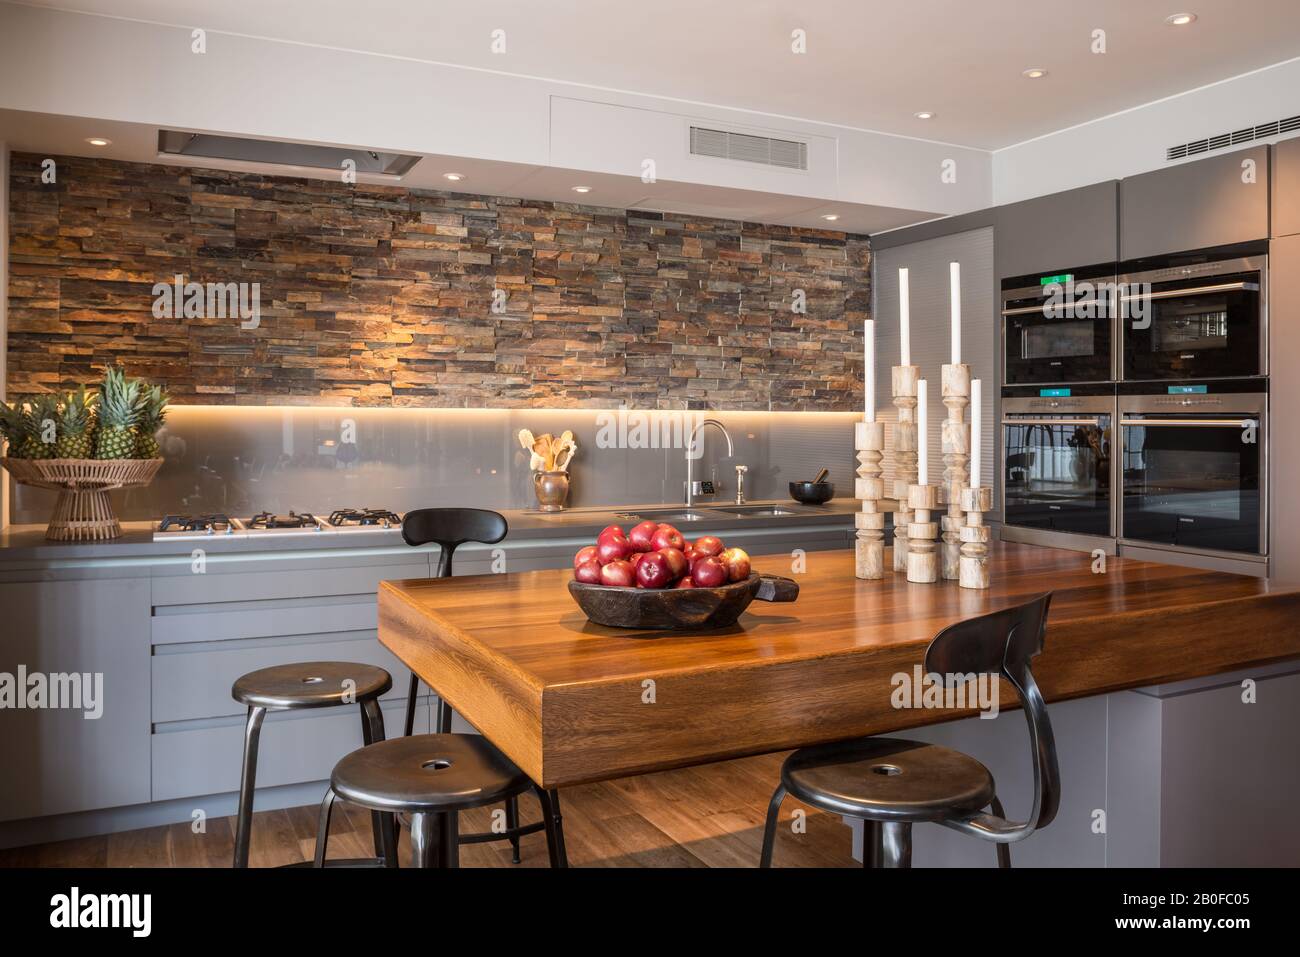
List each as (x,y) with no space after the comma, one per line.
(189,685)
(264,619)
(294,749)
(354,577)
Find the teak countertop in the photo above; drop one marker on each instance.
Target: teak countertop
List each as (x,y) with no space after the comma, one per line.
(564,697)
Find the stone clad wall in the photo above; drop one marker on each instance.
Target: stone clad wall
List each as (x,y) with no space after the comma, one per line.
(383,296)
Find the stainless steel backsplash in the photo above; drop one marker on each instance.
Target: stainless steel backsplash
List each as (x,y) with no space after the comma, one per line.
(244,460)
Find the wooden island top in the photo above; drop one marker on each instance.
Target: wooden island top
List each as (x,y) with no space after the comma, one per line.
(569,701)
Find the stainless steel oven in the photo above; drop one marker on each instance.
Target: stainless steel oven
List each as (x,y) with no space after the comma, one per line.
(1201,316)
(1194,471)
(1058,328)
(1057,466)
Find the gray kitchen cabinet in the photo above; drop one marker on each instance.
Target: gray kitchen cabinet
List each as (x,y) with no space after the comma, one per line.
(1210,202)
(1286,188)
(57,761)
(1078,227)
(1284,396)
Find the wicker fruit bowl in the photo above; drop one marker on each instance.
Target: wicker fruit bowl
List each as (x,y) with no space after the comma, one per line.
(83,512)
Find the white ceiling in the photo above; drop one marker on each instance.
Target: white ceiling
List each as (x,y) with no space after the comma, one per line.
(869,65)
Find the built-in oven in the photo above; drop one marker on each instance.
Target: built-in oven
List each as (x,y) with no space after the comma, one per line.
(1058,327)
(1200,316)
(1194,469)
(1057,465)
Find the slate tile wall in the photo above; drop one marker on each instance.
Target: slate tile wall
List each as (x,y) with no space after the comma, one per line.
(383,296)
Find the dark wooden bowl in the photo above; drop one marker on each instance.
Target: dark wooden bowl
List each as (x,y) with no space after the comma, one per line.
(679,608)
(812,493)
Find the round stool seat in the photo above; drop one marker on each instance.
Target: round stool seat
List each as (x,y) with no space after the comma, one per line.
(427,773)
(311,684)
(888,779)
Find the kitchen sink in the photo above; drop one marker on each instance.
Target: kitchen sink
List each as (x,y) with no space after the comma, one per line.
(757,511)
(670,516)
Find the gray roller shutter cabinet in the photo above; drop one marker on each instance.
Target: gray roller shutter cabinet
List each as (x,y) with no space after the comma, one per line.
(1079,227)
(1284,397)
(1211,202)
(1286,188)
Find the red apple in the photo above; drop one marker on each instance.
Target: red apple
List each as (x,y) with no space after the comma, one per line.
(613,549)
(709,573)
(635,558)
(642,536)
(653,571)
(588,572)
(736,561)
(617,573)
(585,554)
(676,561)
(709,545)
(609,530)
(690,553)
(667,537)
(686,582)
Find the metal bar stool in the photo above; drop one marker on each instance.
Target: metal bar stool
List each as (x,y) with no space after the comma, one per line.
(449,528)
(311,684)
(891,784)
(431,777)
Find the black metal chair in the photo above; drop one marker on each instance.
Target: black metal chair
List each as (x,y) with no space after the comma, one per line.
(433,777)
(304,685)
(450,528)
(891,784)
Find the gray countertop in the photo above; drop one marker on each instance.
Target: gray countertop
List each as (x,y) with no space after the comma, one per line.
(27,543)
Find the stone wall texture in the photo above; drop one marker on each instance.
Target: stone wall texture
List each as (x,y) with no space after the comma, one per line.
(383,296)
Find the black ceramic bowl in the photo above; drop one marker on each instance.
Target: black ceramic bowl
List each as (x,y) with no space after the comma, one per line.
(812,493)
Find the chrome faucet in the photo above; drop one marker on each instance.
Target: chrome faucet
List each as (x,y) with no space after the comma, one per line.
(691,491)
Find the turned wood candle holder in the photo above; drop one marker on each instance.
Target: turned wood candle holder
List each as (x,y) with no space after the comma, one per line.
(956,463)
(869,488)
(922,534)
(974,561)
(903,380)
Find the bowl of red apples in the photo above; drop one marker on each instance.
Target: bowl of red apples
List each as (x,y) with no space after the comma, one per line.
(651,577)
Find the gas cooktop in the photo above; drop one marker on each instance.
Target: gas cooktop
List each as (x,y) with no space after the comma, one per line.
(364,518)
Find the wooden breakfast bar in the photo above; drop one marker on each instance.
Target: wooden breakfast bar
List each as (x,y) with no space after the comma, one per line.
(572,702)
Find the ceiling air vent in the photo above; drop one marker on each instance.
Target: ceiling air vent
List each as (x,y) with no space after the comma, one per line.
(272,153)
(722,144)
(1236,137)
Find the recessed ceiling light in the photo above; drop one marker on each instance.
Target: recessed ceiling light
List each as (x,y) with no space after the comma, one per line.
(98,141)
(1180,19)
(582,189)
(924,115)
(1035,73)
(831,216)
(454,177)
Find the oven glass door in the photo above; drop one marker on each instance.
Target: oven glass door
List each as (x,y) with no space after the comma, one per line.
(1205,328)
(1194,482)
(1044,345)
(1057,473)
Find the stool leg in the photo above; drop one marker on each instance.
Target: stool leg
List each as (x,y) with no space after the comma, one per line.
(1004,850)
(887,844)
(372,730)
(444,716)
(449,839)
(247,785)
(323,827)
(550,802)
(769,829)
(423,840)
(410,703)
(512,822)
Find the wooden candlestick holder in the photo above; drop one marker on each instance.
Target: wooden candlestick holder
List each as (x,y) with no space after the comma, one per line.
(903,380)
(956,463)
(974,562)
(922,534)
(869,549)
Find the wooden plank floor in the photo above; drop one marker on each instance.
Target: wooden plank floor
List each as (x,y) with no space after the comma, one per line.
(708,816)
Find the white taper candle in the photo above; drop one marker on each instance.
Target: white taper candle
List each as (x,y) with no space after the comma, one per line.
(954,275)
(869,363)
(904,318)
(922,437)
(976,431)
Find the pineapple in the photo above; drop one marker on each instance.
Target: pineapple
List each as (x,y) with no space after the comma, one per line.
(152,410)
(76,426)
(117,415)
(42,428)
(13,427)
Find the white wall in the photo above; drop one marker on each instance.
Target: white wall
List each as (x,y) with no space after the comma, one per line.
(1135,141)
